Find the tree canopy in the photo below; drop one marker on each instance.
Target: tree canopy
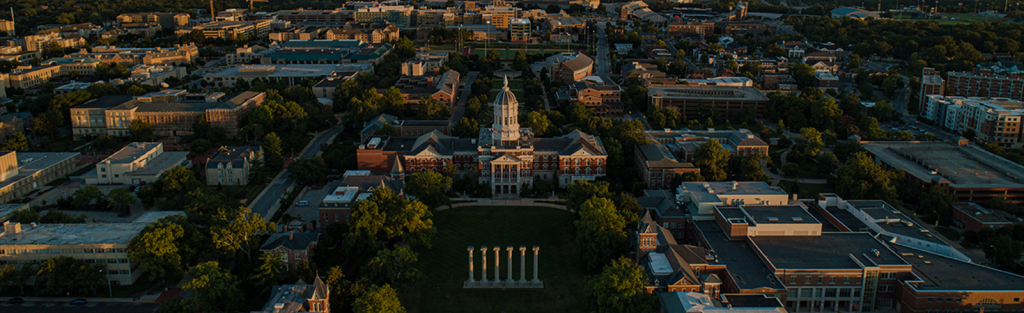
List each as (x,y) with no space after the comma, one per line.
(600,234)
(620,288)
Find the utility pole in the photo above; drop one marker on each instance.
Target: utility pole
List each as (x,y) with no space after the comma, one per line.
(212,12)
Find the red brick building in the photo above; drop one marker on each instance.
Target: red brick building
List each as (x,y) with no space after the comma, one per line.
(970,216)
(983,83)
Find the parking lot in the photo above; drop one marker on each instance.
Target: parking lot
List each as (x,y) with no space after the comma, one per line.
(97,307)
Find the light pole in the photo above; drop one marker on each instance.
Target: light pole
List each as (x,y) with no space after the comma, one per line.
(109,286)
(995,252)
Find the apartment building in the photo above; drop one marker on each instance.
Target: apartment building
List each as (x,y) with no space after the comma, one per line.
(680,28)
(22,173)
(169,112)
(247,54)
(7,27)
(294,34)
(931,84)
(235,30)
(177,55)
(605,100)
(171,21)
(399,15)
(44,41)
(136,163)
(232,165)
(519,29)
(984,83)
(658,167)
(996,120)
(301,16)
(96,243)
(683,143)
(425,63)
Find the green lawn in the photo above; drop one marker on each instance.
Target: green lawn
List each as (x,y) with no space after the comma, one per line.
(510,53)
(515,84)
(971,17)
(804,189)
(446,264)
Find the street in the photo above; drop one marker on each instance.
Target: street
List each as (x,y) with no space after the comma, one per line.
(97,307)
(276,189)
(603,61)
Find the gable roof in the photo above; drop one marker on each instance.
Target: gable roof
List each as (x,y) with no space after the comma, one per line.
(300,241)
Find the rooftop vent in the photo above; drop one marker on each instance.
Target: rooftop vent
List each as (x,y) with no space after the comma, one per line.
(798,219)
(876,252)
(773,219)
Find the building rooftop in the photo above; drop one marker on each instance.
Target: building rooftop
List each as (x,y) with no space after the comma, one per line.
(779,214)
(657,156)
(29,163)
(234,155)
(960,166)
(942,273)
(132,152)
(709,92)
(819,252)
(709,192)
(162,162)
(977,212)
(90,233)
(743,264)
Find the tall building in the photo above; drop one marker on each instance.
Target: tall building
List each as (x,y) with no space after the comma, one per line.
(398,15)
(730,102)
(252,30)
(983,83)
(519,29)
(996,120)
(505,157)
(172,21)
(931,84)
(7,27)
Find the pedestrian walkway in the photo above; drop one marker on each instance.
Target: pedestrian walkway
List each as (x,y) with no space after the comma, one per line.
(468,202)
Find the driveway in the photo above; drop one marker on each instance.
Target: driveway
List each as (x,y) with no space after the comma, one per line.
(460,108)
(266,203)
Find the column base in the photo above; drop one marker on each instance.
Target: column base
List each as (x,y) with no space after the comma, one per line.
(502,284)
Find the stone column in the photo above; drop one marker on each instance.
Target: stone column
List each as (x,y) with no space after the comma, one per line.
(536,249)
(522,265)
(509,266)
(483,254)
(497,265)
(470,249)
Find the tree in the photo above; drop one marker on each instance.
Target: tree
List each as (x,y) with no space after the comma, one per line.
(712,160)
(601,234)
(431,109)
(242,233)
(1004,251)
(862,178)
(392,266)
(467,128)
(938,201)
(748,168)
(620,288)
(430,187)
(309,171)
(86,195)
(581,191)
(272,150)
(271,269)
(812,139)
(215,289)
(803,74)
(385,218)
(63,275)
(155,250)
(16,142)
(121,200)
(520,63)
(378,299)
(538,122)
(386,130)
(11,277)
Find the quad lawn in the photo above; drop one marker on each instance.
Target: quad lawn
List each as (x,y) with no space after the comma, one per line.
(445,266)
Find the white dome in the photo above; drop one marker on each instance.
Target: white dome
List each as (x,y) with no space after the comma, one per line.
(505,97)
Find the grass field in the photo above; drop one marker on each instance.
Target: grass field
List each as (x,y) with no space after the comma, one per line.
(510,53)
(446,264)
(971,17)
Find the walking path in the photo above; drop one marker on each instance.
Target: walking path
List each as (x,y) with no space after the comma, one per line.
(467,202)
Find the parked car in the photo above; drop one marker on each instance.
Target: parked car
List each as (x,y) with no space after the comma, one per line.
(78,302)
(15,301)
(302,203)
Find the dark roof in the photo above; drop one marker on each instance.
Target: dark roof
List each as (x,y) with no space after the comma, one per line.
(234,155)
(819,252)
(751,301)
(367,183)
(784,213)
(300,241)
(657,156)
(941,273)
(579,62)
(742,263)
(105,102)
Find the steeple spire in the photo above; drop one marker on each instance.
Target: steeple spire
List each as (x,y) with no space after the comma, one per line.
(506,81)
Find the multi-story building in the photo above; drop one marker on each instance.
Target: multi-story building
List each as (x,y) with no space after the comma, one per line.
(169,112)
(354,186)
(366,32)
(425,63)
(505,157)
(570,67)
(683,143)
(325,88)
(329,17)
(299,297)
(931,84)
(69,66)
(293,245)
(137,163)
(246,54)
(399,15)
(171,21)
(22,173)
(680,28)
(7,27)
(28,76)
(966,171)
(177,55)
(232,165)
(969,216)
(404,128)
(605,100)
(232,15)
(500,15)
(996,120)
(45,41)
(658,167)
(519,29)
(155,75)
(983,83)
(235,30)
(730,102)
(293,74)
(96,243)
(442,88)
(294,34)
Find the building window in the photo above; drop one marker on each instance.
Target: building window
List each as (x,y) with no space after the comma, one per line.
(831,279)
(847,280)
(819,279)
(792,279)
(890,275)
(830,292)
(807,281)
(886,288)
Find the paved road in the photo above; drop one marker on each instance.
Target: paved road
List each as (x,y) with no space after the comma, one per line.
(460,109)
(603,60)
(277,188)
(94,307)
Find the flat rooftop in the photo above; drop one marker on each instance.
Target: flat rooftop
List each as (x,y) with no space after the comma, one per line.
(942,273)
(709,93)
(131,152)
(847,219)
(161,163)
(961,166)
(29,163)
(893,220)
(976,211)
(782,214)
(71,234)
(742,263)
(700,190)
(822,252)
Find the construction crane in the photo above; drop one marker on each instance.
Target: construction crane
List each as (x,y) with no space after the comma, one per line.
(251,1)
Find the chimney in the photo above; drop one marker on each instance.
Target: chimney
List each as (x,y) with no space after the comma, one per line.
(12,228)
(291,235)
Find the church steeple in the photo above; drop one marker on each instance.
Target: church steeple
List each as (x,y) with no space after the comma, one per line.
(506,115)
